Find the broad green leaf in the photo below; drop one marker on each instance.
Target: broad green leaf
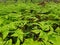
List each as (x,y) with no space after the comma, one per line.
(19,33)
(12,26)
(31,42)
(5,34)
(44,26)
(18,42)
(58,30)
(43,35)
(1,21)
(51,30)
(52,39)
(4,28)
(9,42)
(58,40)
(36,31)
(47,43)
(1,41)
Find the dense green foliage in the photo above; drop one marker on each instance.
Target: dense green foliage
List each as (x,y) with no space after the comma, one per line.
(27,1)
(30,24)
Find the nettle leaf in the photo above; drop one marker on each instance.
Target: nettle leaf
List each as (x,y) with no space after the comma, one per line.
(51,30)
(43,35)
(4,28)
(58,30)
(18,42)
(36,31)
(5,31)
(12,26)
(18,33)
(5,34)
(9,42)
(52,39)
(1,21)
(44,26)
(1,41)
(44,10)
(47,43)
(58,40)
(31,42)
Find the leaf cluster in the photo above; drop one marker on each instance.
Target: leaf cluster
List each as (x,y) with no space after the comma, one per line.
(30,24)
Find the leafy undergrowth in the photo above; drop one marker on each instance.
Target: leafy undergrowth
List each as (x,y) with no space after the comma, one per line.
(30,24)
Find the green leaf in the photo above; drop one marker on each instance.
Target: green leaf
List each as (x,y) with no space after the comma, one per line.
(43,35)
(12,26)
(58,40)
(4,28)
(1,21)
(5,34)
(9,42)
(55,39)
(51,30)
(31,42)
(18,42)
(1,41)
(18,33)
(47,43)
(52,39)
(44,26)
(36,31)
(58,30)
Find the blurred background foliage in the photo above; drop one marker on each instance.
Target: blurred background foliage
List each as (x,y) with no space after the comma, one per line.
(27,1)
